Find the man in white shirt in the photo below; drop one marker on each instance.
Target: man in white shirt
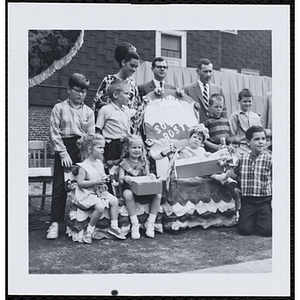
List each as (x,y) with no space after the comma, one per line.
(159,69)
(201,90)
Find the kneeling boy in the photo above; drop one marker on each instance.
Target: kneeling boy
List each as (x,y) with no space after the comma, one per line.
(254,173)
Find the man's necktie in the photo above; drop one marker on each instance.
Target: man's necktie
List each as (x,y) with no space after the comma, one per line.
(161,85)
(205,97)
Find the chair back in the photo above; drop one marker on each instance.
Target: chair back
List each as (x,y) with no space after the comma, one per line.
(37,154)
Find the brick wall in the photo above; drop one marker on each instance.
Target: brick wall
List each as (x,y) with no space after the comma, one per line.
(38,123)
(95,59)
(249,49)
(203,44)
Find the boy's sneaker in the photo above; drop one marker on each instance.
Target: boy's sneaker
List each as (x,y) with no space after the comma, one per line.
(117,233)
(149,226)
(87,237)
(135,232)
(52,232)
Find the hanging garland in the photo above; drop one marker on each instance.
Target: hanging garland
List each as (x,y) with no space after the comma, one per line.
(50,50)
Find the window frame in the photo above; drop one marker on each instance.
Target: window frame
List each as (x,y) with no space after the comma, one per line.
(180,33)
(230,31)
(251,72)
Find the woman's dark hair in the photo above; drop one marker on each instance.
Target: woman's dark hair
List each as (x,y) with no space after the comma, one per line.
(125,51)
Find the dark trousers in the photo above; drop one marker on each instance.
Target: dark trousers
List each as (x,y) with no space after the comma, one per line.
(113,150)
(255,216)
(59,194)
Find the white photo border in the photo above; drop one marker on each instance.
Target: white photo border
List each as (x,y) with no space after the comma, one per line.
(133,17)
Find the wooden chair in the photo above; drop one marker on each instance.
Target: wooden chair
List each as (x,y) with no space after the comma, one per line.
(38,171)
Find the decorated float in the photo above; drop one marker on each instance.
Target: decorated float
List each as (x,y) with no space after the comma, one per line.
(187,201)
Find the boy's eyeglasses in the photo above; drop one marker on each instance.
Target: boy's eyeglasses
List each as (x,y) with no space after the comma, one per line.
(78,91)
(162,67)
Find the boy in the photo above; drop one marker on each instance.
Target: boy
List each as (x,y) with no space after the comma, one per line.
(254,173)
(218,127)
(242,119)
(113,120)
(69,120)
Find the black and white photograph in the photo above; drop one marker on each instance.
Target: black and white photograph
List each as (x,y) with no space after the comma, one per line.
(146,156)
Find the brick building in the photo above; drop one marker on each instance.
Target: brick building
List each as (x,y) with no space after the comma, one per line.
(247,52)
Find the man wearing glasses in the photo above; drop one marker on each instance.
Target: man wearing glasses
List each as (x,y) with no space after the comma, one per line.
(159,69)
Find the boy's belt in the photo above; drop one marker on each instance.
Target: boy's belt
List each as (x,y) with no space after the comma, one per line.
(114,140)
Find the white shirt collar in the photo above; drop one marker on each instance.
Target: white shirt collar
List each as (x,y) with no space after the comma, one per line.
(157,83)
(117,107)
(247,113)
(202,85)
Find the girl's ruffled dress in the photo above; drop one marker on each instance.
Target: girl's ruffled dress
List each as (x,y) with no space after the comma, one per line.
(83,200)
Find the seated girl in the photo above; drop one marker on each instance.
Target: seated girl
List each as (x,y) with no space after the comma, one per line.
(134,163)
(195,147)
(91,192)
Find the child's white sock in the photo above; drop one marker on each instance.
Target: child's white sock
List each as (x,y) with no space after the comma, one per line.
(134,220)
(114,223)
(90,228)
(151,218)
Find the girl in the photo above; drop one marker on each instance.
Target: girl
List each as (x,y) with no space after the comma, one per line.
(195,147)
(134,163)
(91,190)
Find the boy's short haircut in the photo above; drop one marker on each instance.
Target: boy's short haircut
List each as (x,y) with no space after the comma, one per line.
(115,86)
(251,130)
(214,97)
(79,80)
(245,93)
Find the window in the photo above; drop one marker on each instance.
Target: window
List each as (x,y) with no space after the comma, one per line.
(229,70)
(230,31)
(171,45)
(250,72)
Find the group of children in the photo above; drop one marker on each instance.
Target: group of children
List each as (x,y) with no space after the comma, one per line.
(73,129)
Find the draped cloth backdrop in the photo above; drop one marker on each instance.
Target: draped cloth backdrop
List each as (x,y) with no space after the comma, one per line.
(231,83)
(50,50)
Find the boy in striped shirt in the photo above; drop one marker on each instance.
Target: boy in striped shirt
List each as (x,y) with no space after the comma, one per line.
(253,171)
(219,129)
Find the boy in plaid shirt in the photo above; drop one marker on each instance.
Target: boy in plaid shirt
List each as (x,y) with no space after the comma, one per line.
(253,171)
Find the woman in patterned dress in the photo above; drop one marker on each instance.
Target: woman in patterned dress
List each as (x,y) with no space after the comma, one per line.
(128,60)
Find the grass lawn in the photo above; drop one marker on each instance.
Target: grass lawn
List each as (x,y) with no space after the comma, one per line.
(191,249)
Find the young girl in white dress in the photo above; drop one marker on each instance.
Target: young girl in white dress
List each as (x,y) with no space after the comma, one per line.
(91,191)
(135,163)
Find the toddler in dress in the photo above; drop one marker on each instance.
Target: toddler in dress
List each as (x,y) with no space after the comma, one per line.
(91,190)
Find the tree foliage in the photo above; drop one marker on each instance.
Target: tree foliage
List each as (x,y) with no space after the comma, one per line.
(46,46)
